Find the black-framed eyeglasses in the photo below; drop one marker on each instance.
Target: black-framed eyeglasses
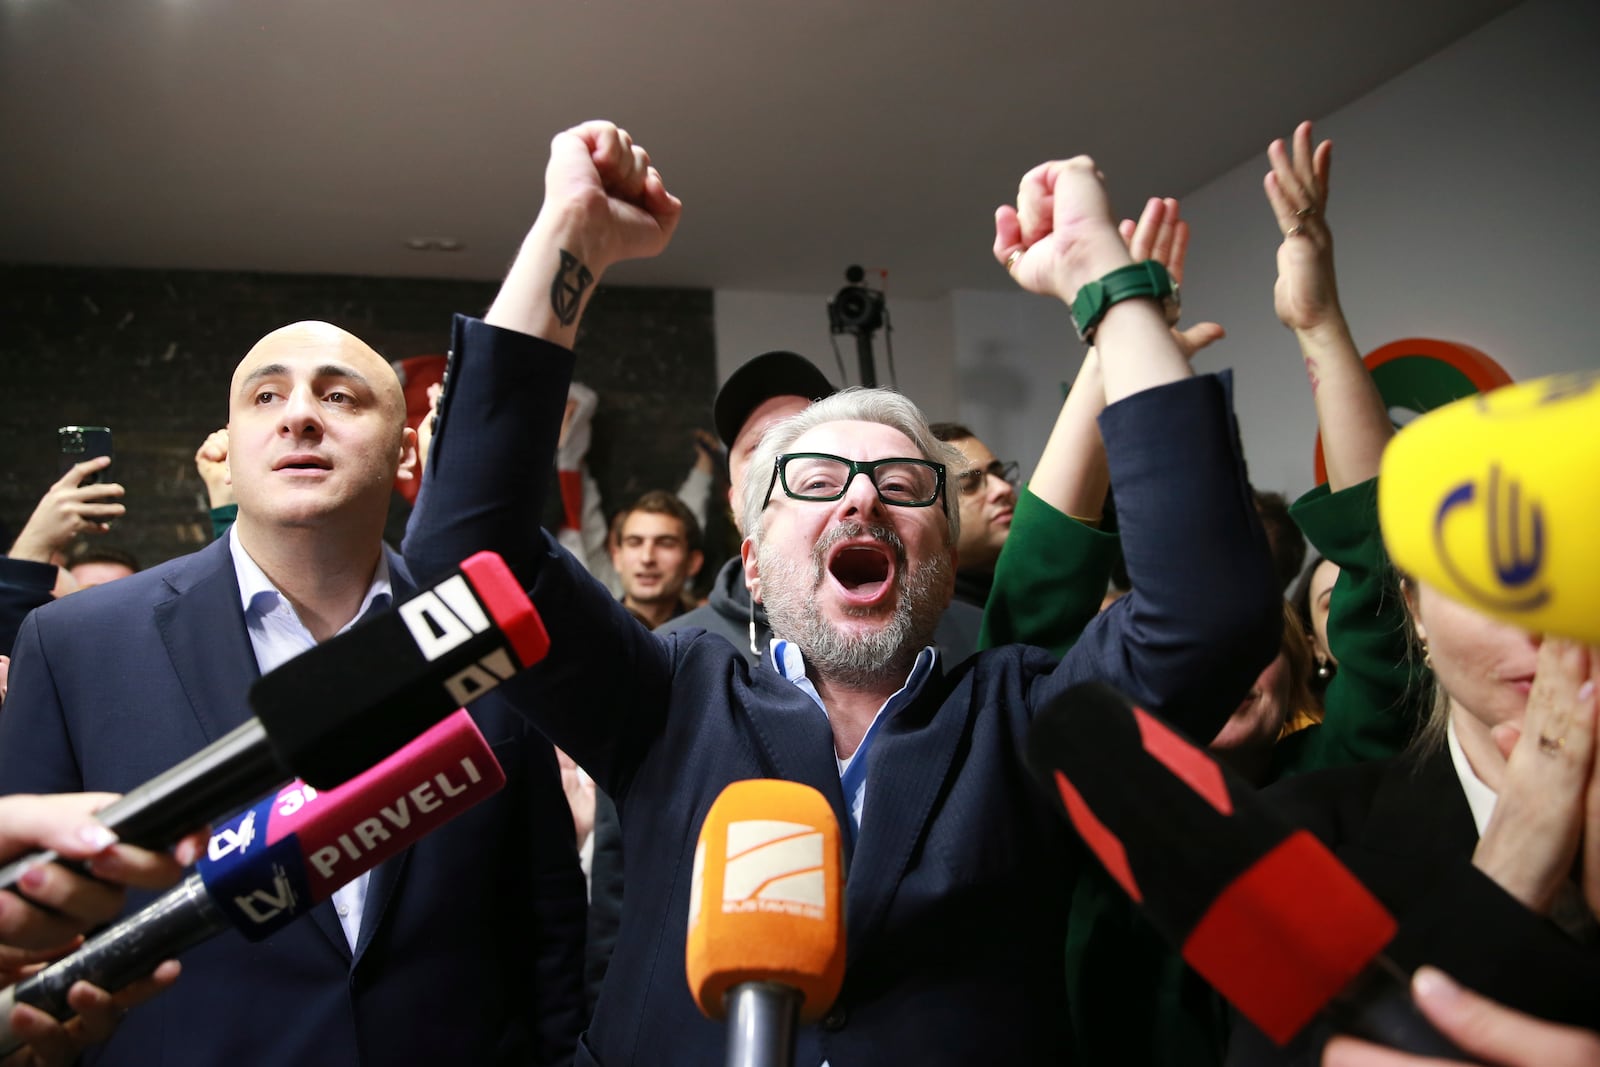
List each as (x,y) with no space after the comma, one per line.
(904,483)
(971,481)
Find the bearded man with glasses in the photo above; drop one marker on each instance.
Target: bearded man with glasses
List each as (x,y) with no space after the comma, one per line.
(958,870)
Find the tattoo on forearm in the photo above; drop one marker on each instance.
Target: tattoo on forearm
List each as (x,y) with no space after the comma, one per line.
(566,291)
(1311,372)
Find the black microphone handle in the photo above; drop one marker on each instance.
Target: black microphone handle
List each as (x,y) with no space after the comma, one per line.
(1377,1006)
(222,777)
(761,1024)
(182,917)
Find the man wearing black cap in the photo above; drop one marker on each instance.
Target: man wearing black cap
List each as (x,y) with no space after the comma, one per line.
(764,391)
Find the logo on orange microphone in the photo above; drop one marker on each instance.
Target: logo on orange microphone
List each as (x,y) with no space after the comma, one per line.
(774,866)
(1514,529)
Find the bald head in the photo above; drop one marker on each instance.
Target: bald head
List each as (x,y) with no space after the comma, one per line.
(335,353)
(316,433)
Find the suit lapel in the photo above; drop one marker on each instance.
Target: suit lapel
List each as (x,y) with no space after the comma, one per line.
(907,767)
(202,626)
(796,741)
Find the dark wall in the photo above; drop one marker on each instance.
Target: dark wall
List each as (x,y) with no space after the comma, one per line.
(150,354)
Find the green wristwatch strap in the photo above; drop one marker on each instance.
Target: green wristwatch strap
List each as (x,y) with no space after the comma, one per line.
(1137,280)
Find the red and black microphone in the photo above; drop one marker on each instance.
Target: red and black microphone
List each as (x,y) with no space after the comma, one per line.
(271,864)
(1261,909)
(337,709)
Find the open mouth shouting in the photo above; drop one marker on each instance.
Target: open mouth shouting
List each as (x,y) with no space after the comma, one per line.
(862,563)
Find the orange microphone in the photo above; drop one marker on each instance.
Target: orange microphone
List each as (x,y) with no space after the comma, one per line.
(766,939)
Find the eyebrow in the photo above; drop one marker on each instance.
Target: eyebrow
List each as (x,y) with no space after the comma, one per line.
(327,370)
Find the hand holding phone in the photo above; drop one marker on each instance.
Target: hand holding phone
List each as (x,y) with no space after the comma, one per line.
(78,443)
(78,503)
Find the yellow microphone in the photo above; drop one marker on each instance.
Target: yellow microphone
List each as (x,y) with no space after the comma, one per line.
(1492,500)
(766,938)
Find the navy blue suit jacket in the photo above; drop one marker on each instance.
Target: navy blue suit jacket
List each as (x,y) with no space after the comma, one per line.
(471,945)
(955,900)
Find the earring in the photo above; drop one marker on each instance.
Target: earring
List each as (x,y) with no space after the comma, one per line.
(1427,656)
(1324,669)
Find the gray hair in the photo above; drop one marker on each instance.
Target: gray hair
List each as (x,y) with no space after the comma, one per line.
(855,404)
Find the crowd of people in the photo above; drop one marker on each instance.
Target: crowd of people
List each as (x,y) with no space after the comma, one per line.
(901,608)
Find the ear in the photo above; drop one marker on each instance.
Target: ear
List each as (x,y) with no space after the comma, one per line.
(752,569)
(697,559)
(408,455)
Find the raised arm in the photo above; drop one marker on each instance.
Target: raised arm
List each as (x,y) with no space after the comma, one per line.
(1058,238)
(1205,613)
(67,509)
(1071,475)
(603,203)
(1372,705)
(509,374)
(1051,574)
(1355,424)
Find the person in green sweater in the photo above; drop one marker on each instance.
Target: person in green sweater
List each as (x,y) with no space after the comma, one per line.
(1132,999)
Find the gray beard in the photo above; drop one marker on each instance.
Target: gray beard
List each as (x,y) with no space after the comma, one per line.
(789,592)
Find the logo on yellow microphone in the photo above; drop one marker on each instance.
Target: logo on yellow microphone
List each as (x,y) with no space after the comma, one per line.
(1512,526)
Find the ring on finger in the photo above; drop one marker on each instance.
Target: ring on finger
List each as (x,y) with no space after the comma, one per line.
(1303,212)
(1295,231)
(1551,745)
(1011,260)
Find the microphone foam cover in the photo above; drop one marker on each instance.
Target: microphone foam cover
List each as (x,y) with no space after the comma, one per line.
(767,899)
(1490,500)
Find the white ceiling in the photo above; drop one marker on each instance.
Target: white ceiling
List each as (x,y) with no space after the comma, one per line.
(319,135)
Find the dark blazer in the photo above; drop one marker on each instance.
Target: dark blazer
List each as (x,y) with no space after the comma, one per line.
(956,888)
(605,898)
(1404,828)
(471,944)
(24,585)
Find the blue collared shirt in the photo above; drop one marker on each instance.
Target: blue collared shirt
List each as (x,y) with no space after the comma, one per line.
(788,662)
(277,635)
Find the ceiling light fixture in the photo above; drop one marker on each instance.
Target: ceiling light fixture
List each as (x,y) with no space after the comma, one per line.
(434,244)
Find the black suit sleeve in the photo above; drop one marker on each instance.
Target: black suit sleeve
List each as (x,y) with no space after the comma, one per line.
(24,585)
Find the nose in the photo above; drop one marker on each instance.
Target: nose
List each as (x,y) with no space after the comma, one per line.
(302,417)
(999,488)
(861,497)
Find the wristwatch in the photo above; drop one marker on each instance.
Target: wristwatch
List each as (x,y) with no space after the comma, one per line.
(1138,280)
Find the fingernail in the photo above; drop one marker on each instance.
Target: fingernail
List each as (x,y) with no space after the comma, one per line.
(1430,983)
(97,836)
(186,852)
(1586,691)
(32,878)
